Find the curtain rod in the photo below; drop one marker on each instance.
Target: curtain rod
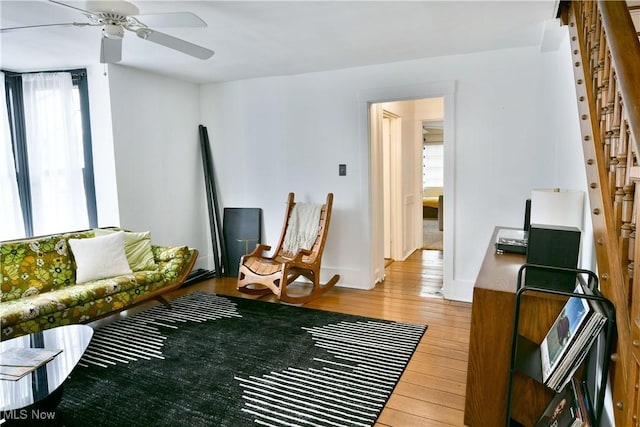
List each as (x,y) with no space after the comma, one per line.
(75,73)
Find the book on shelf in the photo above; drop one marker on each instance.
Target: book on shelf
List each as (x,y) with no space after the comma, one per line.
(582,396)
(562,333)
(569,339)
(579,351)
(566,409)
(16,362)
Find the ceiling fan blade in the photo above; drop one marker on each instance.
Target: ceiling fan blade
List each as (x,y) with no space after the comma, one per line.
(175,20)
(86,12)
(65,24)
(110,50)
(175,43)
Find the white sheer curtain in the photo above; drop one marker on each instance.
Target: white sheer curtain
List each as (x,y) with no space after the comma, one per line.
(11,224)
(54,147)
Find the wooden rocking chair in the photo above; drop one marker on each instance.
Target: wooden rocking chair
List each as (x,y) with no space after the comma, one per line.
(260,275)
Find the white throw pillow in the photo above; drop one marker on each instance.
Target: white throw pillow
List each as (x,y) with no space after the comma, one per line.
(137,248)
(99,257)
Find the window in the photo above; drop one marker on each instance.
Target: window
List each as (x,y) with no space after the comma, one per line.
(432,165)
(51,166)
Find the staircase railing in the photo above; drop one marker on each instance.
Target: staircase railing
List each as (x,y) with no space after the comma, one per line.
(606,59)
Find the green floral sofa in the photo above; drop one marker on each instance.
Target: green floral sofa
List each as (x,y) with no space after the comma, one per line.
(39,289)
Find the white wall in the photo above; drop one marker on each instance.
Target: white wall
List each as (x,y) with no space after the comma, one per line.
(431,109)
(160,183)
(513,131)
(569,170)
(280,134)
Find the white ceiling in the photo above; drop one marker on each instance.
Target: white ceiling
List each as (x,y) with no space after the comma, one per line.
(266,38)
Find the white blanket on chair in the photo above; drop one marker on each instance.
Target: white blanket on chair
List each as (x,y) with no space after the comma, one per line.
(302,230)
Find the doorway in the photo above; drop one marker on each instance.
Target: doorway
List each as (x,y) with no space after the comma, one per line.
(397,176)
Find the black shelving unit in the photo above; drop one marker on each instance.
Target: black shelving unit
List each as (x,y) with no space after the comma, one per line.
(525,354)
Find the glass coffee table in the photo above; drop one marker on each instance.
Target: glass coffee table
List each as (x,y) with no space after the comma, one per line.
(38,393)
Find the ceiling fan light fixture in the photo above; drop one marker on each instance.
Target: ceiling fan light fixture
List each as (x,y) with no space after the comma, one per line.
(115,32)
(116,7)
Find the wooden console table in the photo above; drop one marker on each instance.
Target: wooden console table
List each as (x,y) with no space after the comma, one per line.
(492,316)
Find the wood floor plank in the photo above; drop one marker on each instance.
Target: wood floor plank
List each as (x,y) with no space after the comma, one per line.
(441,360)
(427,410)
(428,394)
(436,369)
(434,350)
(393,417)
(434,382)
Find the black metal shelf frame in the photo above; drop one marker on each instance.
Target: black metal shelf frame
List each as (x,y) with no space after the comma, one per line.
(522,348)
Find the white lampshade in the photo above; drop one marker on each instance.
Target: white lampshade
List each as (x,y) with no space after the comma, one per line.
(554,206)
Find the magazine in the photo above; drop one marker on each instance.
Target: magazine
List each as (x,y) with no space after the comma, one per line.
(581,347)
(16,362)
(564,410)
(577,353)
(563,332)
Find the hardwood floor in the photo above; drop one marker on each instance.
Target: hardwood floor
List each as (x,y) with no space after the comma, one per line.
(432,388)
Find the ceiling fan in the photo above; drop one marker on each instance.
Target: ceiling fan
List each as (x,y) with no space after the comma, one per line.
(115,16)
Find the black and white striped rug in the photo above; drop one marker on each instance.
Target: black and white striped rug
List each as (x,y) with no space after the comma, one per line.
(214,361)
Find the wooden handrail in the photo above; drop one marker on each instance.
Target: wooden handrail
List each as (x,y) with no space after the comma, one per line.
(625,55)
(606,58)
(624,52)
